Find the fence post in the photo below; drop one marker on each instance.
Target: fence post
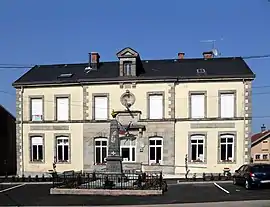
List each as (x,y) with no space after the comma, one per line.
(160,181)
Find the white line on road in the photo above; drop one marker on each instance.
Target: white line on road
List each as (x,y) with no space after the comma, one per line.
(221,188)
(17,186)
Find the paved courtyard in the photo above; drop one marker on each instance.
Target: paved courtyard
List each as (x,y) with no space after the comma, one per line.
(36,195)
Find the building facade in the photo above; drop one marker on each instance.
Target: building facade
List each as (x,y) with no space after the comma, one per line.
(260,146)
(8,143)
(196,107)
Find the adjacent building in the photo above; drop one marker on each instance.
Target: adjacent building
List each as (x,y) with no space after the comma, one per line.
(260,146)
(197,107)
(8,143)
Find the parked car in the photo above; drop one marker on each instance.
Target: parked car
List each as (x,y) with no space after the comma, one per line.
(252,175)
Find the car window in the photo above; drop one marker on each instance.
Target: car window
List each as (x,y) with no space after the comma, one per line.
(261,168)
(241,168)
(245,168)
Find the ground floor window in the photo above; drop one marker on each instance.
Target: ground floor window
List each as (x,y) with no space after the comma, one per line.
(62,149)
(101,150)
(37,149)
(128,150)
(197,143)
(155,150)
(227,148)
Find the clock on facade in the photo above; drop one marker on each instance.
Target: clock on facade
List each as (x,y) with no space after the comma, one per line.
(127,99)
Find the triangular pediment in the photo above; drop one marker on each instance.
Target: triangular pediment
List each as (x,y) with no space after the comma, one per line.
(127,52)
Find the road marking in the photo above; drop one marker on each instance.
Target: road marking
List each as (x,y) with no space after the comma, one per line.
(17,186)
(221,188)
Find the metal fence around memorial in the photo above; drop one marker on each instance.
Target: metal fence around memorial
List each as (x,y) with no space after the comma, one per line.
(96,180)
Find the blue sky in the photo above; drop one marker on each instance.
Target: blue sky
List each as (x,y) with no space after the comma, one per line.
(44,32)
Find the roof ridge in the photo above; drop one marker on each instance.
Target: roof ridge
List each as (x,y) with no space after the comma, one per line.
(143,60)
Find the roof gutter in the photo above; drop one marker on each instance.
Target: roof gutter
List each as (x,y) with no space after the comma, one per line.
(137,80)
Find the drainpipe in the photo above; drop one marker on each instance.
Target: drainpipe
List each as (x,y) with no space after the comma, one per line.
(22,129)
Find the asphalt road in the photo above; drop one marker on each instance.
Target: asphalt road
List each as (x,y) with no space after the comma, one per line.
(37,195)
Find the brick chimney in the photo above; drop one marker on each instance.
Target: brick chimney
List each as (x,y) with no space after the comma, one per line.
(208,55)
(94,60)
(181,55)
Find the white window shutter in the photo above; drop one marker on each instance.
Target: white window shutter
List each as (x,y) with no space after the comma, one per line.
(156,107)
(101,107)
(227,105)
(197,106)
(62,108)
(37,109)
(37,141)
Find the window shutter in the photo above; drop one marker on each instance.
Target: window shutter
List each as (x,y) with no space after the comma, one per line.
(227,105)
(101,107)
(37,109)
(156,107)
(62,108)
(197,106)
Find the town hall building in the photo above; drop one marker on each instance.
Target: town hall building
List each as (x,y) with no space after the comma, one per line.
(194,107)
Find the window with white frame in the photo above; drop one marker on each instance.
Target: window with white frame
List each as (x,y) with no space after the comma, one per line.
(101,107)
(156,106)
(62,149)
(227,148)
(155,150)
(227,106)
(127,68)
(101,150)
(37,149)
(197,105)
(197,143)
(36,109)
(128,150)
(62,108)
(265,156)
(257,156)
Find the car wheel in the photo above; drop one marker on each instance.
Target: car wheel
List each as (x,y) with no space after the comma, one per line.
(234,181)
(247,185)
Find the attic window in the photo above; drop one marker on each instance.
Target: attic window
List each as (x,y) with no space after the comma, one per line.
(127,68)
(201,71)
(65,75)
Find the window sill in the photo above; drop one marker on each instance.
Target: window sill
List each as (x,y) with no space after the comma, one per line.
(197,162)
(37,162)
(226,162)
(100,164)
(154,164)
(63,162)
(31,121)
(124,162)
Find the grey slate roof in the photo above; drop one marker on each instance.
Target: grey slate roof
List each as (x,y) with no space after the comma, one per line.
(231,67)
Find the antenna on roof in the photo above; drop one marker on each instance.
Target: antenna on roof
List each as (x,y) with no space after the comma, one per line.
(88,68)
(214,50)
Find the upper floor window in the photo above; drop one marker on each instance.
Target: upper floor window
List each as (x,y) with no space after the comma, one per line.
(127,68)
(101,150)
(62,108)
(36,110)
(197,105)
(227,105)
(156,106)
(155,150)
(37,149)
(100,108)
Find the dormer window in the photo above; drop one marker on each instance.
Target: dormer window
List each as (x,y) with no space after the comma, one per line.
(127,68)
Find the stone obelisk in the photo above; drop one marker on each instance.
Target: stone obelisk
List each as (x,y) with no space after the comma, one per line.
(114,160)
